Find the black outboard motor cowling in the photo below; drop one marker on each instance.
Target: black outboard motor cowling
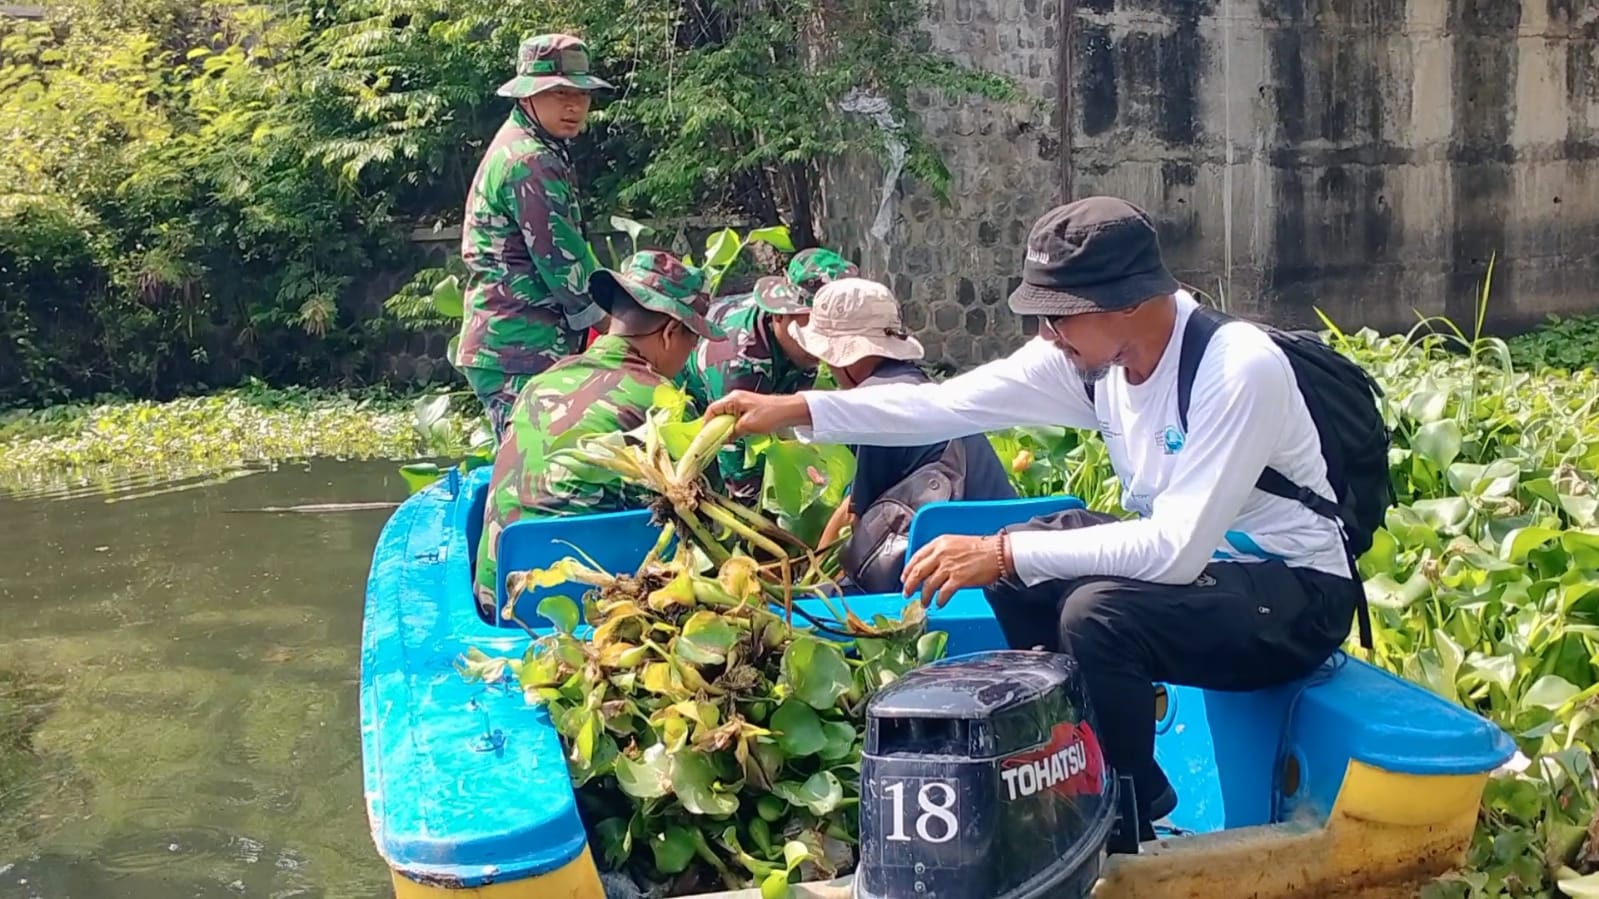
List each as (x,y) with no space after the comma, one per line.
(982,778)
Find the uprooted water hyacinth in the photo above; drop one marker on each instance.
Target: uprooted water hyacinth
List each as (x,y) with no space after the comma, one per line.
(712,742)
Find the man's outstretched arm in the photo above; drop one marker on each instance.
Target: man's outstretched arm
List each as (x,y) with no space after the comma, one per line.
(1035,385)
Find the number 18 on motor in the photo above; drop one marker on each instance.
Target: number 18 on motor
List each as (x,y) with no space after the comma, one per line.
(980,780)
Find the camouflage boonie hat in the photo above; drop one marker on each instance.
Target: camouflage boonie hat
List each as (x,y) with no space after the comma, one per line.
(551,60)
(813,268)
(660,281)
(777,295)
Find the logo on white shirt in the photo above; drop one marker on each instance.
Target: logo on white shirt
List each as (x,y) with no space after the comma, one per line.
(1171,441)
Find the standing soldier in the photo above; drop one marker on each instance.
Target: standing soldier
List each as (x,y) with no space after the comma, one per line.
(527,258)
(761,354)
(657,308)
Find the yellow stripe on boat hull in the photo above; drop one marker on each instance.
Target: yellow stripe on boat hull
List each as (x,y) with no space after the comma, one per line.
(577,879)
(1387,831)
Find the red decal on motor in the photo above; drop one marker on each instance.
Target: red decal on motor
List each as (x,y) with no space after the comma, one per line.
(1071,764)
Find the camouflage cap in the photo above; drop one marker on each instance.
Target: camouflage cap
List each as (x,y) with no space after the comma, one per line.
(812,268)
(777,295)
(551,60)
(661,282)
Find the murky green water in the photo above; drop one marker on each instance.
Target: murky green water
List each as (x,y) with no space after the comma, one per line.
(178,690)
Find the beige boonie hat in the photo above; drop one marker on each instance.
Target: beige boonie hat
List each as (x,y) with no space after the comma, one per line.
(853,318)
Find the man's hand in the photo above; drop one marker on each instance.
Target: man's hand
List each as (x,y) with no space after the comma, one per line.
(952,563)
(761,414)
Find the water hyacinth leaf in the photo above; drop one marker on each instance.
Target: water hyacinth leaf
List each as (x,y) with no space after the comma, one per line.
(722,248)
(1427,404)
(1583,547)
(479,666)
(673,402)
(769,807)
(1438,442)
(1584,510)
(661,678)
(561,612)
(647,777)
(840,739)
(448,299)
(433,417)
(820,793)
(1498,670)
(1549,692)
(930,646)
(816,671)
(1449,515)
(632,228)
(798,730)
(775,886)
(695,782)
(418,475)
(615,840)
(788,494)
(1384,591)
(1518,543)
(795,852)
(738,577)
(678,592)
(706,639)
(673,848)
(776,235)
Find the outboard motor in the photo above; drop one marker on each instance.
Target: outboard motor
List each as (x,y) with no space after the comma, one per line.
(982,778)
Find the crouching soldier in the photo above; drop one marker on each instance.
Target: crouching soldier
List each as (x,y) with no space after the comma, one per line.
(855,327)
(657,308)
(761,354)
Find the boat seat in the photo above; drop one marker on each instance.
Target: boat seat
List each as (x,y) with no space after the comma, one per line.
(616,541)
(979,517)
(1220,749)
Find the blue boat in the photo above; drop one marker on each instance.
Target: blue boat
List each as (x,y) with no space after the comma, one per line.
(1349,782)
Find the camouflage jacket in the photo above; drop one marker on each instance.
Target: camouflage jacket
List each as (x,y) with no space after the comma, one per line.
(750,359)
(528,261)
(605,389)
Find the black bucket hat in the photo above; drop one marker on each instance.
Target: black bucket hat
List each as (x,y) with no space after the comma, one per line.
(1097,254)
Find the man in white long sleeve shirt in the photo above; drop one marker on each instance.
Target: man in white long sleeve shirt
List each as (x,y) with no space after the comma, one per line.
(1215,583)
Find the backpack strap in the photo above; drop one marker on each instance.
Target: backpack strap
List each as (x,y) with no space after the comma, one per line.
(1201,326)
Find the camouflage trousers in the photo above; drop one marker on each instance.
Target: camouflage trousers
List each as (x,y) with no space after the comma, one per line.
(497,390)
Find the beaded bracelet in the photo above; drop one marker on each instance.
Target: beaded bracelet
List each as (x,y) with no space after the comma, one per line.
(999,550)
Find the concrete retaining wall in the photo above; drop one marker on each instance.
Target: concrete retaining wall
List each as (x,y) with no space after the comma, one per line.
(1367,157)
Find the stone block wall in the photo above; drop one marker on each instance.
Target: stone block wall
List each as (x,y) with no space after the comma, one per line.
(1364,157)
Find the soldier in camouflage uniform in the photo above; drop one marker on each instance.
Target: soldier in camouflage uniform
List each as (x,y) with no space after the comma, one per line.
(528,260)
(657,308)
(761,354)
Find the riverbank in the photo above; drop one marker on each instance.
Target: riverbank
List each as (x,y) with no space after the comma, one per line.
(100,444)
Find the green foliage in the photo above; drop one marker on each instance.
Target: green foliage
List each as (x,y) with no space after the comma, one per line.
(109,442)
(796,504)
(696,719)
(718,108)
(1484,584)
(1563,343)
(192,194)
(158,229)
(712,745)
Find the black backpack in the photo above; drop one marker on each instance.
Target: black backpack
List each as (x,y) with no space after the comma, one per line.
(1342,399)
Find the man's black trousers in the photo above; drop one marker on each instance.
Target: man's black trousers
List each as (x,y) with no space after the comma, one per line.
(1239,626)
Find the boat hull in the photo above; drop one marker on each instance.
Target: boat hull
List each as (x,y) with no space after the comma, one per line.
(1351,781)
